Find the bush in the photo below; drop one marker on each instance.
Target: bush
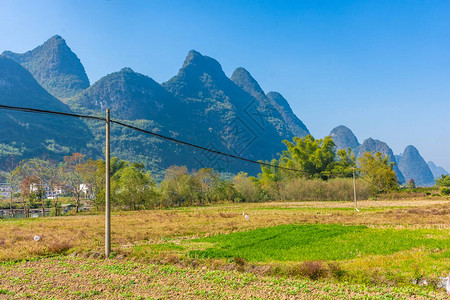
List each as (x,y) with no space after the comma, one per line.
(59,247)
(312,269)
(336,270)
(246,188)
(340,189)
(445,191)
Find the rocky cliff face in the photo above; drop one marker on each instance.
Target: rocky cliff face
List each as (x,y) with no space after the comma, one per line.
(55,67)
(413,166)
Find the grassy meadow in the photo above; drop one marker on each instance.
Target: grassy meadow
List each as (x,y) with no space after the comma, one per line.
(390,249)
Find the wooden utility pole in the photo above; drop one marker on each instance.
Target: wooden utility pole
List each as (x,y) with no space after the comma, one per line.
(354,188)
(107,189)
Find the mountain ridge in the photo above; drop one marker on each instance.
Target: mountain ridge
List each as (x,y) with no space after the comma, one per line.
(200,103)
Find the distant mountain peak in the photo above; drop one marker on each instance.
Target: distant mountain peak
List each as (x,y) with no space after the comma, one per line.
(411,149)
(197,62)
(278,98)
(436,170)
(344,138)
(413,166)
(56,40)
(55,67)
(130,96)
(242,78)
(28,135)
(56,37)
(126,70)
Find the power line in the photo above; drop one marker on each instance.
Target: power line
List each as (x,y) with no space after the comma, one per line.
(40,111)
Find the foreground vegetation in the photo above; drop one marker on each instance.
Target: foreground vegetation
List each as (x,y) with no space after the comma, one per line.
(77,278)
(395,248)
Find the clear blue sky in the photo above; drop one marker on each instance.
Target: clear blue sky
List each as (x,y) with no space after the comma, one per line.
(382,68)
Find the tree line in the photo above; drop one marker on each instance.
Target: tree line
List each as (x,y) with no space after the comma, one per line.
(321,173)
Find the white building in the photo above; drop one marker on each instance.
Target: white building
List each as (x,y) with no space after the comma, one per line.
(49,194)
(5,190)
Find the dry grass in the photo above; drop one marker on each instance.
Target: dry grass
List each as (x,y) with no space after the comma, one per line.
(86,233)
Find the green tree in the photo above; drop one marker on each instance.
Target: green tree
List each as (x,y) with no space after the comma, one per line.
(411,184)
(377,170)
(314,158)
(443,181)
(134,188)
(178,188)
(271,174)
(248,188)
(209,182)
(344,164)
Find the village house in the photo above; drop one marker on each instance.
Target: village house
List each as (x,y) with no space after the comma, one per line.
(5,190)
(48,194)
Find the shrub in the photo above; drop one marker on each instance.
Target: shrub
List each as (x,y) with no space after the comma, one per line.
(247,189)
(312,269)
(59,247)
(336,270)
(445,191)
(240,263)
(340,189)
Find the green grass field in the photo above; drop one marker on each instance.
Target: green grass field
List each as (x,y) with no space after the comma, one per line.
(320,242)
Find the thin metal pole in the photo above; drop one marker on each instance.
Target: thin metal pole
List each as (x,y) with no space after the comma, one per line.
(354,189)
(107,189)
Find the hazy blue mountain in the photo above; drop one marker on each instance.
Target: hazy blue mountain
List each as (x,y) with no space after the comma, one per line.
(55,67)
(344,138)
(272,106)
(413,166)
(436,170)
(372,145)
(30,135)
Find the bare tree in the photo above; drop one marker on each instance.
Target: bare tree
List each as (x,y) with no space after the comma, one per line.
(54,181)
(38,170)
(13,177)
(75,174)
